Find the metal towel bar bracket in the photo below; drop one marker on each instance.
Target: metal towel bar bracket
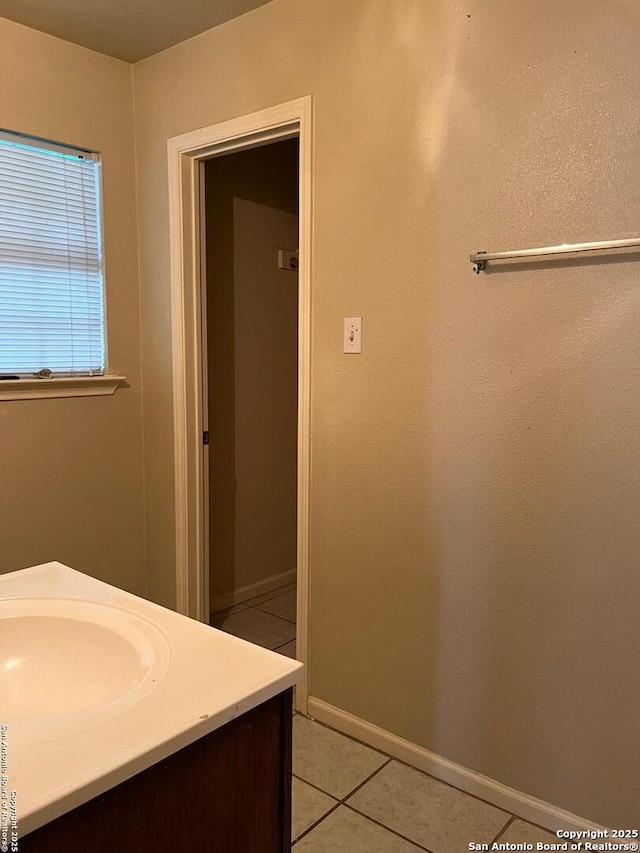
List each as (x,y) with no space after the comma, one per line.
(480,259)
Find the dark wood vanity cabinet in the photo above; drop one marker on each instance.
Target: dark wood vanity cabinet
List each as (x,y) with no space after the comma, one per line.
(229,792)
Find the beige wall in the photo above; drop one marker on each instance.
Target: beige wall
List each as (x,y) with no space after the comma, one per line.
(474,495)
(266,411)
(71,469)
(252,203)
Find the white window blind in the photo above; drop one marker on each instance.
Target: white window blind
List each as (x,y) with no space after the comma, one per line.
(52,314)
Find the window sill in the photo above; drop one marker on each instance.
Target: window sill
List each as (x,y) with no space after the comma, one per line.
(71,386)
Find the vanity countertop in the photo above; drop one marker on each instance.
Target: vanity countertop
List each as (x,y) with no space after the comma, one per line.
(183,681)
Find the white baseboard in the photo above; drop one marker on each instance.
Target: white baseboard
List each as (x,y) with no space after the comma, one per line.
(499,795)
(239,596)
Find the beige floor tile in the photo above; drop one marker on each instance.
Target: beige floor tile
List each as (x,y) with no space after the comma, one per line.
(257,627)
(283,606)
(428,812)
(334,763)
(289,649)
(267,595)
(309,805)
(227,611)
(523,832)
(346,832)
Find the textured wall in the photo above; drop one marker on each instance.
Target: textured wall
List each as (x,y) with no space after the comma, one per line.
(474,499)
(71,470)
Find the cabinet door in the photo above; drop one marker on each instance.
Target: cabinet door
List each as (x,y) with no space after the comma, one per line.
(229,792)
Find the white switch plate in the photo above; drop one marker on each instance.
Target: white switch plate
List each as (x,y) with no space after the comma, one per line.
(353,334)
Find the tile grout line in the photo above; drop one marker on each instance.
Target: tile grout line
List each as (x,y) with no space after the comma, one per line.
(292,640)
(365,781)
(415,844)
(343,802)
(502,831)
(257,609)
(284,619)
(311,785)
(531,823)
(412,767)
(340,801)
(368,817)
(453,787)
(317,822)
(276,593)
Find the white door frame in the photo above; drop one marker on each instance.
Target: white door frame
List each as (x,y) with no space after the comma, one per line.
(186,155)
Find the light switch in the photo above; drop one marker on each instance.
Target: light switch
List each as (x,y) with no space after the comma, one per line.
(353,334)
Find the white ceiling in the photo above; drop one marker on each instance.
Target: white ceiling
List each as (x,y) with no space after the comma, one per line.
(126,29)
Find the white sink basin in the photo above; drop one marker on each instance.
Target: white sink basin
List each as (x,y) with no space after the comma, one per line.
(61,657)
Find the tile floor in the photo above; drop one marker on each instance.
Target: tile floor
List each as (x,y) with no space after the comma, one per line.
(268,620)
(349,798)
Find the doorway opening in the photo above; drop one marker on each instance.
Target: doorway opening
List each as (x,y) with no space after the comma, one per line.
(251,352)
(189,155)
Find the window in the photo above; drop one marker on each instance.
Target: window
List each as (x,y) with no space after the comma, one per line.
(52,309)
